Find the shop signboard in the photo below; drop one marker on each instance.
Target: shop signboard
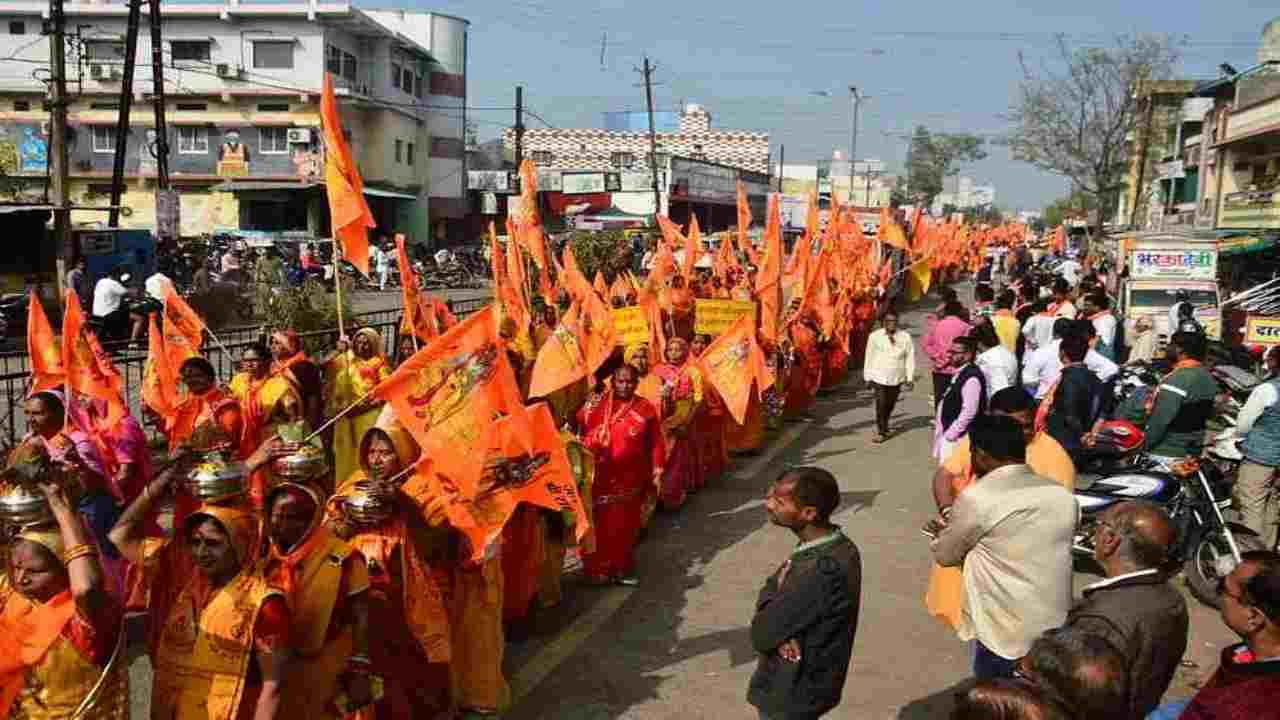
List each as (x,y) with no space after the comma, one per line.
(1174,264)
(1262,330)
(168,213)
(703,182)
(550,180)
(639,181)
(490,180)
(583,183)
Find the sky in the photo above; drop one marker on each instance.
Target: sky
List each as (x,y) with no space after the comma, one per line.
(785,68)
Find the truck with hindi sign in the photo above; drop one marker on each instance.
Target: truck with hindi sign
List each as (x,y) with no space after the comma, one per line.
(1162,265)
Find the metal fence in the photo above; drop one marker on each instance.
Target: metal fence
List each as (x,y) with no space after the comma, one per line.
(15,369)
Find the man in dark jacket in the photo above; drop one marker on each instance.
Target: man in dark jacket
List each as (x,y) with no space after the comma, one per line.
(1136,608)
(807,613)
(1073,400)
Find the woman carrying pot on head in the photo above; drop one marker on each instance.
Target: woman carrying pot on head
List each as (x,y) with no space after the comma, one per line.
(59,628)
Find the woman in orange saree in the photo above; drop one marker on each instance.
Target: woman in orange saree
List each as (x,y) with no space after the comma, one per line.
(806,371)
(409,553)
(60,630)
(290,361)
(681,398)
(356,368)
(709,424)
(266,400)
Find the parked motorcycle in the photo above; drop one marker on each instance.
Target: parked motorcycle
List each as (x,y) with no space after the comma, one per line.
(1194,493)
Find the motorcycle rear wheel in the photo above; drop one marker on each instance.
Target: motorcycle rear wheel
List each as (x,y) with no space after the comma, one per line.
(1200,567)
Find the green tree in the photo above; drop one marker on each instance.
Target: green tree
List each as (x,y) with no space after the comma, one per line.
(1076,205)
(934,157)
(1075,115)
(606,251)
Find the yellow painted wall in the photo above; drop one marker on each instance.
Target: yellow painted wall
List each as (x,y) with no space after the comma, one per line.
(201,211)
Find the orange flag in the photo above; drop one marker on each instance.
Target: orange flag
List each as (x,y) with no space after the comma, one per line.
(599,285)
(525,461)
(1060,239)
(159,378)
(89,370)
(891,232)
(419,318)
(183,329)
(43,349)
(817,295)
(562,360)
(692,247)
(528,215)
(769,279)
(448,393)
(744,221)
(348,210)
(575,283)
(732,363)
(599,336)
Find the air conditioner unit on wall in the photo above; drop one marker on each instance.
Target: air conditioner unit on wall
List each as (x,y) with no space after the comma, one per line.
(299,136)
(99,71)
(233,72)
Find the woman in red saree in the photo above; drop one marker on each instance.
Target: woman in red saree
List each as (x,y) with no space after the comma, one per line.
(709,424)
(806,372)
(624,434)
(681,398)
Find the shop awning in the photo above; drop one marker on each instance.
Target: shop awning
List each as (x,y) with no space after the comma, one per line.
(379,192)
(252,185)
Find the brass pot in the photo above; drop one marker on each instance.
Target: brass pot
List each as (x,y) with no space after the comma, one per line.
(216,480)
(21,506)
(305,463)
(370,503)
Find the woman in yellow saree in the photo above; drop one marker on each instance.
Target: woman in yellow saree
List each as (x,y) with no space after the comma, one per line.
(356,368)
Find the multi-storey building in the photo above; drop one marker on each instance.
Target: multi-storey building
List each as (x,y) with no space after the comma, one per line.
(242,85)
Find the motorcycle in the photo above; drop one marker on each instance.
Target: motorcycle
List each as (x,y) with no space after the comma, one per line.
(1235,384)
(1194,493)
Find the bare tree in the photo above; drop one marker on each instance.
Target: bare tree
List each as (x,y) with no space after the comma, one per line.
(1075,116)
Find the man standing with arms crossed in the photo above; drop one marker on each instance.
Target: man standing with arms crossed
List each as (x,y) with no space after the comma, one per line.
(807,613)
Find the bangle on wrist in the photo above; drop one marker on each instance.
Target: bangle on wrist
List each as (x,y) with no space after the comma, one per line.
(76,552)
(945,511)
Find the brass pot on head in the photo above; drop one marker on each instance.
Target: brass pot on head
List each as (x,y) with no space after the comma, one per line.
(217,479)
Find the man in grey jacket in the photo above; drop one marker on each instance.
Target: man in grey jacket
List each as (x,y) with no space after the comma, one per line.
(1012,532)
(1136,608)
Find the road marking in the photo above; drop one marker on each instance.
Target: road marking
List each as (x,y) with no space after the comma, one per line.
(546,660)
(559,650)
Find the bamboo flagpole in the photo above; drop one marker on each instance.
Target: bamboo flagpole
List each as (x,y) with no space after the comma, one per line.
(337,281)
(345,411)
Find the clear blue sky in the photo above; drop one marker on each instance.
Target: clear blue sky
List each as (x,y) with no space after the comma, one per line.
(951,66)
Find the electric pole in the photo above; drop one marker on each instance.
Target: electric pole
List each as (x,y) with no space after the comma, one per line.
(782,164)
(853,137)
(126,106)
(653,137)
(519,126)
(157,89)
(58,138)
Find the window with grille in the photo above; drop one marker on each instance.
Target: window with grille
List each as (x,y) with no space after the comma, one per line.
(104,50)
(333,59)
(17,27)
(399,149)
(273,140)
(350,66)
(104,138)
(622,159)
(541,157)
(191,50)
(273,54)
(408,153)
(193,140)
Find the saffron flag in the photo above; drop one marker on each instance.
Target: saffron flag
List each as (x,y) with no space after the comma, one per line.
(348,210)
(562,360)
(183,329)
(43,349)
(417,319)
(920,278)
(88,368)
(1060,239)
(769,281)
(448,393)
(692,247)
(599,285)
(732,363)
(891,233)
(159,378)
(744,222)
(525,462)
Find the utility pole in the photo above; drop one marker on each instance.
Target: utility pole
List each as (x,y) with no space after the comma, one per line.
(519,126)
(782,164)
(653,137)
(853,137)
(157,89)
(58,138)
(126,106)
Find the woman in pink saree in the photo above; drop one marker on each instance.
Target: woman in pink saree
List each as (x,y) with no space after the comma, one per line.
(681,397)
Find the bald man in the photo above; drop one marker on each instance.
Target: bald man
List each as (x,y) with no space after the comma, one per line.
(1136,608)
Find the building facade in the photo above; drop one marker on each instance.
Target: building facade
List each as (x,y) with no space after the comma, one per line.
(618,151)
(242,85)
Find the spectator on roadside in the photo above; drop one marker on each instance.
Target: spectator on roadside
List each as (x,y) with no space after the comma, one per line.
(1040,369)
(1143,348)
(1097,307)
(937,345)
(1062,306)
(999,366)
(230,261)
(382,263)
(109,304)
(1187,321)
(1255,493)
(890,363)
(1136,608)
(1073,401)
(1083,671)
(1005,322)
(1181,299)
(1037,329)
(1011,531)
(1184,402)
(807,613)
(963,400)
(983,302)
(1247,683)
(78,281)
(1069,271)
(1003,699)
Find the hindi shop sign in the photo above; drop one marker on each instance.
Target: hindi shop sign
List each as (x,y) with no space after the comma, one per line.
(712,317)
(631,326)
(703,182)
(1262,330)
(1175,264)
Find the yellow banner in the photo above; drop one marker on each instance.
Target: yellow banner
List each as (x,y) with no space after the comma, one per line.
(631,326)
(1260,330)
(712,317)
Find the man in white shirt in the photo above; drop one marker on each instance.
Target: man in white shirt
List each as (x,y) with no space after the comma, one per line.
(1175,310)
(1255,492)
(381,263)
(443,257)
(998,365)
(1097,308)
(1038,329)
(1011,532)
(1040,369)
(1069,270)
(1063,307)
(108,303)
(156,286)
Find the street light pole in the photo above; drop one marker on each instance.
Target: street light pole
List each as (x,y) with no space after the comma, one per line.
(853,137)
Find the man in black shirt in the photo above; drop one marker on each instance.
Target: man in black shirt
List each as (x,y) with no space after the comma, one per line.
(807,613)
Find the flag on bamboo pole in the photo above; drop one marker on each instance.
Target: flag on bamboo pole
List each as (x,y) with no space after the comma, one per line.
(419,318)
(891,232)
(183,329)
(88,368)
(1060,239)
(525,461)
(562,360)
(744,223)
(449,392)
(769,279)
(159,377)
(599,336)
(733,363)
(670,233)
(817,295)
(348,210)
(599,285)
(574,281)
(921,278)
(43,349)
(528,215)
(692,247)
